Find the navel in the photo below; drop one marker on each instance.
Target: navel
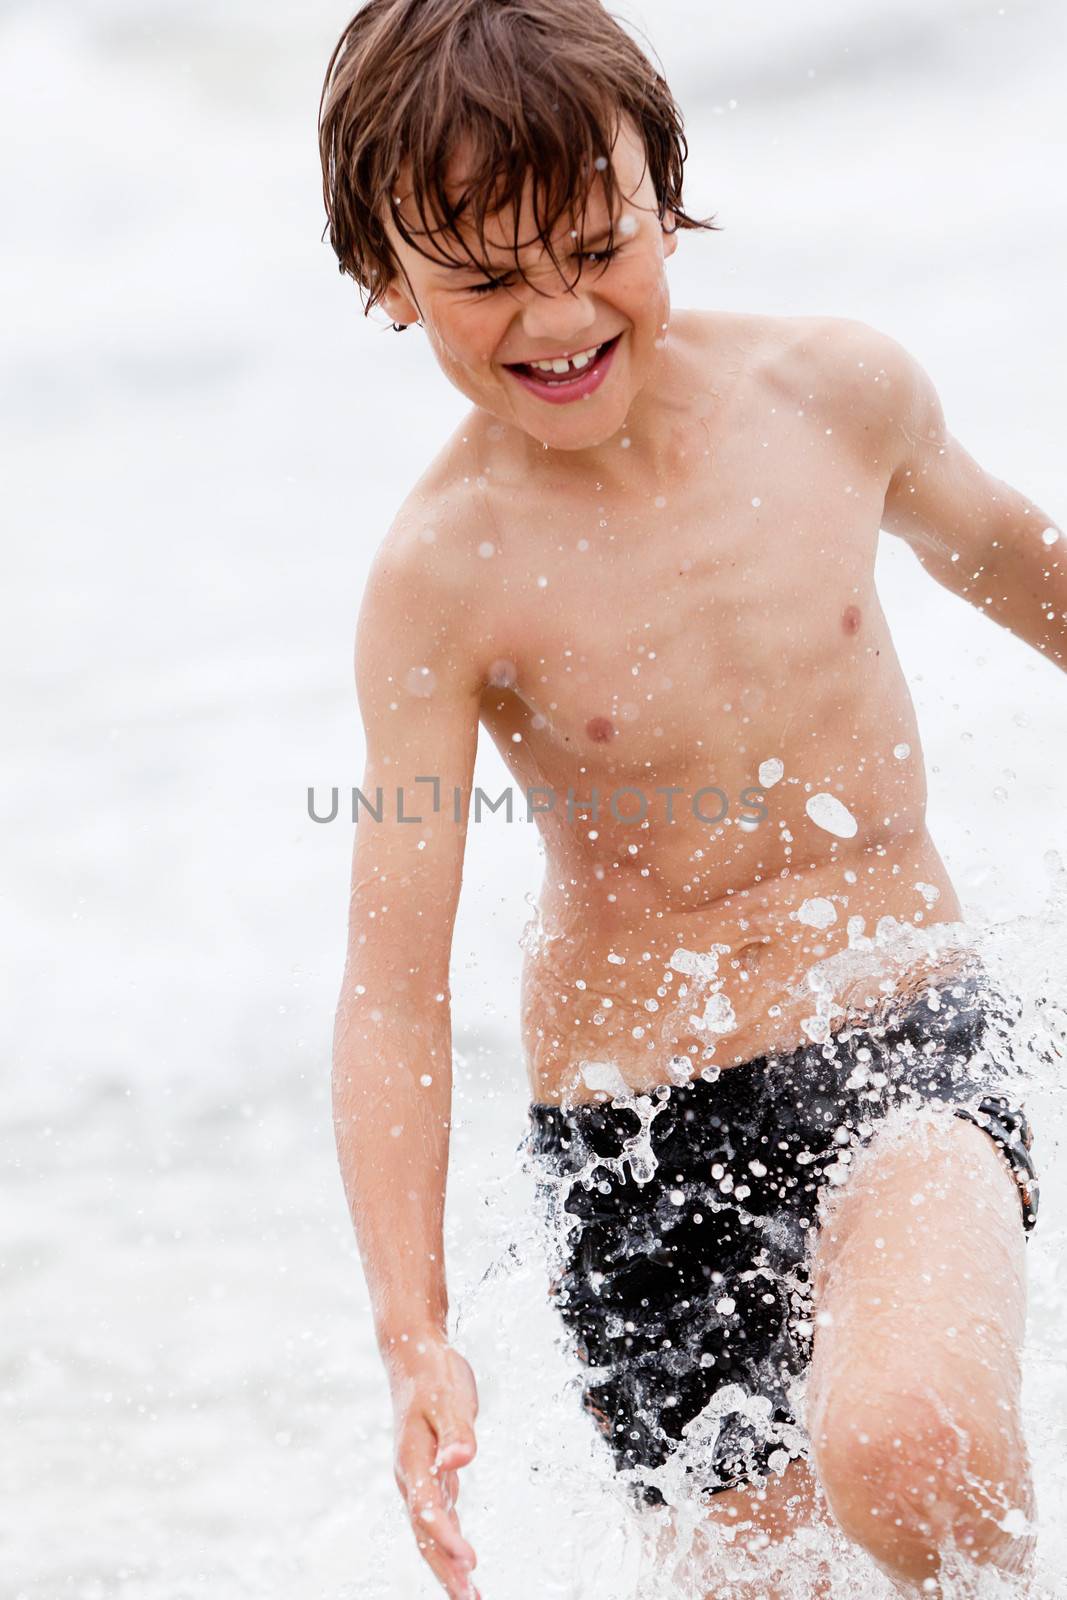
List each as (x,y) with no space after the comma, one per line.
(600,729)
(851,618)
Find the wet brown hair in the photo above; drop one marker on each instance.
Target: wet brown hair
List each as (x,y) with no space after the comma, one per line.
(535,89)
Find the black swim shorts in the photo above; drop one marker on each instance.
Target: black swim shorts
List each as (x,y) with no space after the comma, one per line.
(675,1288)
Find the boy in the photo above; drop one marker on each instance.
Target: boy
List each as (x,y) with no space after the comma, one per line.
(645,564)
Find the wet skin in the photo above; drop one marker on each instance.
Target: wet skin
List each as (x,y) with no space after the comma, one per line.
(660,631)
(663,586)
(666,585)
(684,644)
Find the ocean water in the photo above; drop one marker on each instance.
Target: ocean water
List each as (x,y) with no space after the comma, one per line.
(204,441)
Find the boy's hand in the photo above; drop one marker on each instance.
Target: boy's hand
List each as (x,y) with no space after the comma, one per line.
(435,1402)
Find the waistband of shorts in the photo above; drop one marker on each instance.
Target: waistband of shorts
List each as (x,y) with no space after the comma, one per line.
(605,1126)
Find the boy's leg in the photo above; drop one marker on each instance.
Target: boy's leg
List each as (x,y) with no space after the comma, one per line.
(914,1393)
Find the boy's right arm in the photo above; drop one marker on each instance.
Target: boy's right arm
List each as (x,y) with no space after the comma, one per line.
(419,686)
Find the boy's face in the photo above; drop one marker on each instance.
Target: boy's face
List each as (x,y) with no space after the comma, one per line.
(486,328)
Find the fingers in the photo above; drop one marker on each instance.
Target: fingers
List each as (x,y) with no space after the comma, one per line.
(430,1498)
(453,1575)
(435,1440)
(434,1516)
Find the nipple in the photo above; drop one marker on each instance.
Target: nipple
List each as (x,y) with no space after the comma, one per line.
(600,729)
(851,619)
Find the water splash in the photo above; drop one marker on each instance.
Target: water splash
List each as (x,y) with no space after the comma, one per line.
(581,1533)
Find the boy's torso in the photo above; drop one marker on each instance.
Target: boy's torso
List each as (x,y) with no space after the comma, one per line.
(680,630)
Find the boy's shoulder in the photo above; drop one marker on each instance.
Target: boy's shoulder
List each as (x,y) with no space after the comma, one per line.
(841,356)
(425,577)
(838,372)
(443,522)
(843,367)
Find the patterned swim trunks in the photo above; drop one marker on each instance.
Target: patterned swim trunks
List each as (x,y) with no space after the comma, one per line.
(691,1280)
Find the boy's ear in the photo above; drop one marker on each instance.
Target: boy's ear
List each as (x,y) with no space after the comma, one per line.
(670,233)
(399,305)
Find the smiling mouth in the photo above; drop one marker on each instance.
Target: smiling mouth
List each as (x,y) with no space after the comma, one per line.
(574,368)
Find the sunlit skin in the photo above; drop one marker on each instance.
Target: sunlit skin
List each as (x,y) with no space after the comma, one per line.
(663,585)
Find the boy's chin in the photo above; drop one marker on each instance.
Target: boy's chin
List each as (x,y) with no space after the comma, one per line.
(576,439)
(566,428)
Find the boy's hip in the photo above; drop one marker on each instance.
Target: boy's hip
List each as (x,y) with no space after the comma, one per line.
(770,1132)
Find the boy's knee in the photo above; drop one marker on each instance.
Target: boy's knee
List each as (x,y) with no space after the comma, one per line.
(909,1477)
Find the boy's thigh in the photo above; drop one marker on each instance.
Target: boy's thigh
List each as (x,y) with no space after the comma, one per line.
(919,1272)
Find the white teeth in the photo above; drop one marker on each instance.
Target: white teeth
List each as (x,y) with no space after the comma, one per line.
(560,365)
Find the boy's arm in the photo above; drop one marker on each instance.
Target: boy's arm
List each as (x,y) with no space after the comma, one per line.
(419,690)
(975,534)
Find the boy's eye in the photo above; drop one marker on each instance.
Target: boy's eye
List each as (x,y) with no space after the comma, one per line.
(488,286)
(600,257)
(593,258)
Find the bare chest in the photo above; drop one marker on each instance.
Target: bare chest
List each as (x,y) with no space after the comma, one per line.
(636,636)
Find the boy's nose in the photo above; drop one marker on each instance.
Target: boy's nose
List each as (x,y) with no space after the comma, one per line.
(561,318)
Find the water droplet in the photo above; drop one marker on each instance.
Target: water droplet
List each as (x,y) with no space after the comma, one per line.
(816,913)
(828,813)
(604,1077)
(420,682)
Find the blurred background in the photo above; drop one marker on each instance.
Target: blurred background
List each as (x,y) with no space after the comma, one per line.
(204,440)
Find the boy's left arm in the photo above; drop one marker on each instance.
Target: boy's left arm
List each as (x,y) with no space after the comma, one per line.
(975,534)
